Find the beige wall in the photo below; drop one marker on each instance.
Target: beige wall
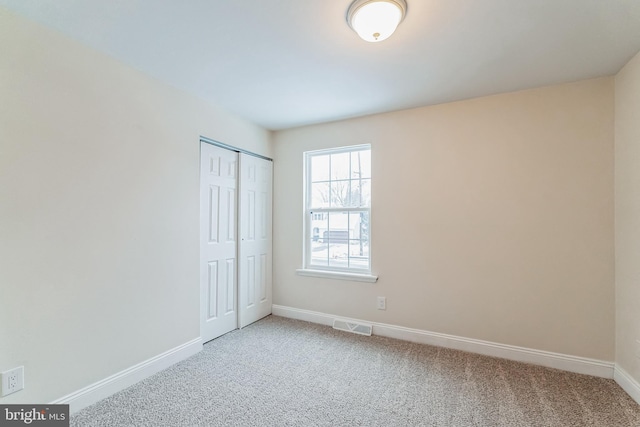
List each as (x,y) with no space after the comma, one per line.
(99,176)
(627,235)
(492,219)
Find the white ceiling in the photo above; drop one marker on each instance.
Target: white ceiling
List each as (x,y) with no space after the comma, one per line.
(286,63)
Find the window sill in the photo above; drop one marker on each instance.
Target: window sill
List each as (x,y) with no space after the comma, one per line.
(337,275)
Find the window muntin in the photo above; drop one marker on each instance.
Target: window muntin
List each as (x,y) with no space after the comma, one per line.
(338,202)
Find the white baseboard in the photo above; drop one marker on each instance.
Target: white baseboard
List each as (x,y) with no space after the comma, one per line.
(306,315)
(581,365)
(123,379)
(628,384)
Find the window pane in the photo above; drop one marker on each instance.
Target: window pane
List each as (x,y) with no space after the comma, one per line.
(358,249)
(337,239)
(360,193)
(319,224)
(340,166)
(356,200)
(340,197)
(339,255)
(319,253)
(320,195)
(319,168)
(361,164)
(338,231)
(365,193)
(359,242)
(356,225)
(359,254)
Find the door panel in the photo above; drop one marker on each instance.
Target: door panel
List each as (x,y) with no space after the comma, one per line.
(212,290)
(255,239)
(218,241)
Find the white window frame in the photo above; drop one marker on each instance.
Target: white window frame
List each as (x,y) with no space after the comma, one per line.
(355,274)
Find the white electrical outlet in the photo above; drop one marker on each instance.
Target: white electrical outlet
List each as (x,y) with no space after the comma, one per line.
(382,303)
(12,380)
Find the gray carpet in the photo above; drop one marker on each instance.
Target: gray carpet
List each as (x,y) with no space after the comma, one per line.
(282,372)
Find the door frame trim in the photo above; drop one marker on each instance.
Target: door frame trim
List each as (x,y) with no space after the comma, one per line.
(232,148)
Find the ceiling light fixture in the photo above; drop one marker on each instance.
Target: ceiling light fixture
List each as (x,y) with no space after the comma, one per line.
(376,20)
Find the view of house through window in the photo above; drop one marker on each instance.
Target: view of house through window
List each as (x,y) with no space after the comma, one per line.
(338,201)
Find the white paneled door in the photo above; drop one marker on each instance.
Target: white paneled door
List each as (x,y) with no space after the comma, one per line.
(235,276)
(255,238)
(218,241)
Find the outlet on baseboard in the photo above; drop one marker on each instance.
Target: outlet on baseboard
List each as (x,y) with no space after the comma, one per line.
(12,380)
(382,303)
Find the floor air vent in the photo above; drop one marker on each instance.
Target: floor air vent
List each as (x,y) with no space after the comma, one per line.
(356,328)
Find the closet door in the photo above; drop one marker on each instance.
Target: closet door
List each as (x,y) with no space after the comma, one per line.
(218,241)
(255,255)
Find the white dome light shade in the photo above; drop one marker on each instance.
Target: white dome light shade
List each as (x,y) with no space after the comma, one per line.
(376,20)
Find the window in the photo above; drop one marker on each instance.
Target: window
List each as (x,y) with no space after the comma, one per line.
(338,210)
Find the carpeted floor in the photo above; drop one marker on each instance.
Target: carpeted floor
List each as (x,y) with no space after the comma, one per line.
(282,372)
